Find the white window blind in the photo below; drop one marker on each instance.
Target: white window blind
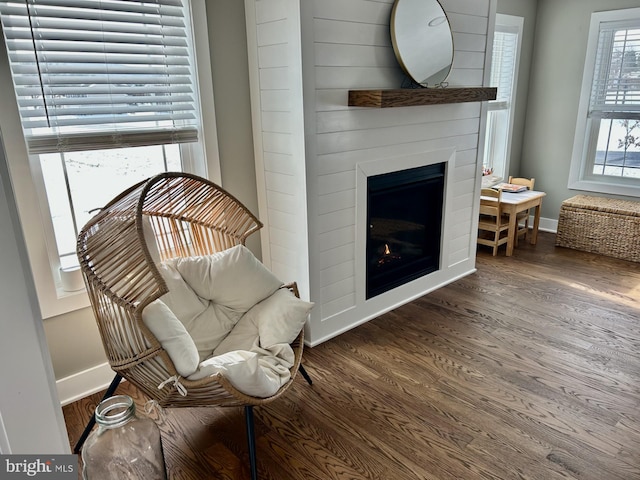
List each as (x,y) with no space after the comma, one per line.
(96,74)
(505,45)
(616,84)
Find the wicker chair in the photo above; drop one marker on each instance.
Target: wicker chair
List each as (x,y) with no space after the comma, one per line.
(189,216)
(492,224)
(522,217)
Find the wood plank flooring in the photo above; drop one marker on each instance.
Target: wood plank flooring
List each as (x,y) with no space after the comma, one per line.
(527,369)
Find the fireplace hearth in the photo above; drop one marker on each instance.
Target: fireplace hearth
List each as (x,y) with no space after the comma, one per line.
(404,218)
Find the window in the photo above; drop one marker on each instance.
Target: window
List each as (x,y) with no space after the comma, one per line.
(606,151)
(79,183)
(107,94)
(504,69)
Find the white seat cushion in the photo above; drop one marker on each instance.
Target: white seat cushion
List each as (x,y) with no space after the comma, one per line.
(236,315)
(244,336)
(210,293)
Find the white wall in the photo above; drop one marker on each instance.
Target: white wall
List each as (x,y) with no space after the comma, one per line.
(273,31)
(554,92)
(30,415)
(230,74)
(345,45)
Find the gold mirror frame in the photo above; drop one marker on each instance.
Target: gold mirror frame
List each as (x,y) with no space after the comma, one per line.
(422,40)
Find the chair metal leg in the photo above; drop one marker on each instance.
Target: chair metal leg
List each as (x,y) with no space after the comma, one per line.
(92,421)
(251,438)
(304,373)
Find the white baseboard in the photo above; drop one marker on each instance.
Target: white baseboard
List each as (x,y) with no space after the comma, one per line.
(81,384)
(546,224)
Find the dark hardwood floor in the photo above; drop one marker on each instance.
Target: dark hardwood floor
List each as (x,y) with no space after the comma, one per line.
(527,369)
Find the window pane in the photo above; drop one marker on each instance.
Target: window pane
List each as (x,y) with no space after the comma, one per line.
(79,182)
(59,206)
(618,149)
(496,141)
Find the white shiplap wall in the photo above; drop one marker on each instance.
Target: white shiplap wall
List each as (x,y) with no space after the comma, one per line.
(273,32)
(343,45)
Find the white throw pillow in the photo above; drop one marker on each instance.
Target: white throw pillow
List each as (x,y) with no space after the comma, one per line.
(233,277)
(280,317)
(173,337)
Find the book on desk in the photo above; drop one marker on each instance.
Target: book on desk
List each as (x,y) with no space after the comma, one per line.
(510,187)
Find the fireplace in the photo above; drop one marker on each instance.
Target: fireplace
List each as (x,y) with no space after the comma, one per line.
(404,219)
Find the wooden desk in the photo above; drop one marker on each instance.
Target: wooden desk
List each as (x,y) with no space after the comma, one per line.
(512,204)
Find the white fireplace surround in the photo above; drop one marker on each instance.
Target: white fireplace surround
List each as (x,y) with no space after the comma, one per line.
(364,170)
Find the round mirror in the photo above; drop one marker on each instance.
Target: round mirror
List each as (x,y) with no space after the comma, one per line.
(422,40)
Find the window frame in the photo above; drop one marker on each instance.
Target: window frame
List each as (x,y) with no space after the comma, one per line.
(511,24)
(586,134)
(28,183)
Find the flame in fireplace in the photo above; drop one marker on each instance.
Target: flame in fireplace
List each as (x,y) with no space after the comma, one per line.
(387,257)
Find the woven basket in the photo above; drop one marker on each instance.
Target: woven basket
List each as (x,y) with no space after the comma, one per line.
(600,225)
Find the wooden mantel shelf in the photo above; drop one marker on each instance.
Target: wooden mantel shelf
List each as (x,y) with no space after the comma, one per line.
(407,97)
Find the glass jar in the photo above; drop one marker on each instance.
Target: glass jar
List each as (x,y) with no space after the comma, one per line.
(124,446)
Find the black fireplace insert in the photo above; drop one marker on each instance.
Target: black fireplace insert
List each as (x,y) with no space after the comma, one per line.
(404,218)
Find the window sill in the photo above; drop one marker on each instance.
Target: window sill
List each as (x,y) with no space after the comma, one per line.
(609,188)
(58,301)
